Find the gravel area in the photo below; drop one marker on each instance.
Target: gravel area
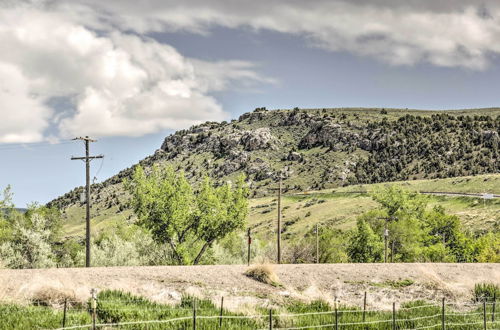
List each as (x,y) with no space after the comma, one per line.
(345,282)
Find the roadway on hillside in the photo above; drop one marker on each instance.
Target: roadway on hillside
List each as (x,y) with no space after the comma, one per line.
(436,193)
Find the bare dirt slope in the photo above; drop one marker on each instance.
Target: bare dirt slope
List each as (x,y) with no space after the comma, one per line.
(347,282)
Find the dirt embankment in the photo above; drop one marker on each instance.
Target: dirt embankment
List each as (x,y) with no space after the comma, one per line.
(384,283)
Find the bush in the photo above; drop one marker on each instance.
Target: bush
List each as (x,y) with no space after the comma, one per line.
(486,291)
(365,245)
(263,273)
(53,297)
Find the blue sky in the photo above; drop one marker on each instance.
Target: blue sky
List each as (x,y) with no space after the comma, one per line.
(130,76)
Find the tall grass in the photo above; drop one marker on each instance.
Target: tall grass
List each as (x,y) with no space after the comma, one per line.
(119,307)
(486,291)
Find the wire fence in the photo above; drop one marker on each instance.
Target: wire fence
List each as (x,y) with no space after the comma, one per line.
(480,315)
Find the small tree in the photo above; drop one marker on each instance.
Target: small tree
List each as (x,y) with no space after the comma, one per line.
(30,247)
(365,245)
(188,222)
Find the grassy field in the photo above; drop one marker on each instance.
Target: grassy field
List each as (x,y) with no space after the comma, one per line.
(132,312)
(337,208)
(488,183)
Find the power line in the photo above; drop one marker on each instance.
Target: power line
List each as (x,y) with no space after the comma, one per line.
(27,146)
(98,171)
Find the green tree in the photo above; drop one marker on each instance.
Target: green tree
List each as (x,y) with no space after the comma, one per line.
(487,248)
(6,209)
(399,202)
(419,234)
(30,246)
(365,245)
(188,222)
(332,246)
(446,229)
(6,201)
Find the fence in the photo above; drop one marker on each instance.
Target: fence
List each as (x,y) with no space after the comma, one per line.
(480,315)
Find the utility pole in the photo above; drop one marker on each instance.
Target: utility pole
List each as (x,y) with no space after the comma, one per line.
(386,236)
(279,222)
(278,231)
(249,244)
(87,160)
(392,250)
(317,244)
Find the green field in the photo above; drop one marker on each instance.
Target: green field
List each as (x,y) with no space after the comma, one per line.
(336,208)
(131,312)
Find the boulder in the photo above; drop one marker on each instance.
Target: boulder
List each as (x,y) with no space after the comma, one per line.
(294,156)
(257,139)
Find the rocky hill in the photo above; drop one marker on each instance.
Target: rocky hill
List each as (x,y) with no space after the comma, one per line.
(323,148)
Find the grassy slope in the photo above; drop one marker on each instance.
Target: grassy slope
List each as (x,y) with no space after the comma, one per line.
(339,210)
(336,208)
(119,307)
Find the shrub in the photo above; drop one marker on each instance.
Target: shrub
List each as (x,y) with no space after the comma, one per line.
(53,297)
(263,273)
(486,291)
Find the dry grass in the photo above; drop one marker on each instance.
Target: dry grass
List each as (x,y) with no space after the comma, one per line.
(54,297)
(263,273)
(167,284)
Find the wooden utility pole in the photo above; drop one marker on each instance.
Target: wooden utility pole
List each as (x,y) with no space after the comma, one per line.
(279,222)
(278,230)
(317,244)
(87,160)
(249,234)
(392,250)
(386,237)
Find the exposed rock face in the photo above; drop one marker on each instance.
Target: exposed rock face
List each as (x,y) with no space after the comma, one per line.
(257,139)
(222,144)
(296,118)
(329,135)
(294,156)
(237,161)
(260,169)
(228,143)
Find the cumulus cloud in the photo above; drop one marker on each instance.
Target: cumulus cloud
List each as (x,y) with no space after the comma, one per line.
(460,33)
(24,117)
(118,84)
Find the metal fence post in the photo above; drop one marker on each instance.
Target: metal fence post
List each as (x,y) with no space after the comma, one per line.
(443,321)
(221,311)
(336,315)
(493,307)
(364,308)
(64,312)
(94,307)
(484,314)
(270,319)
(394,316)
(194,314)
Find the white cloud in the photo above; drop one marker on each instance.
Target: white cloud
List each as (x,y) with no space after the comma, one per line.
(24,117)
(118,83)
(460,33)
(121,83)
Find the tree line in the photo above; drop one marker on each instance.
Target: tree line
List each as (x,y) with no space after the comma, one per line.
(181,223)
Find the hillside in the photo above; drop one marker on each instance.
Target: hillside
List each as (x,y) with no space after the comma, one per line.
(338,208)
(315,149)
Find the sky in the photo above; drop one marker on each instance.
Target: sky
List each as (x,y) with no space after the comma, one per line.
(129,73)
